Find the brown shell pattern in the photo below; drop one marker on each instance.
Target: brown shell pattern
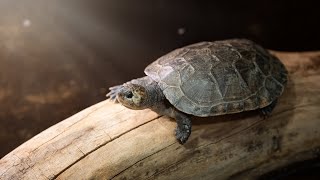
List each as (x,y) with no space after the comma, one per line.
(221,77)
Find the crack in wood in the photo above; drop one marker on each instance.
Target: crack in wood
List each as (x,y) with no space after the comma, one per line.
(67,128)
(142,160)
(98,147)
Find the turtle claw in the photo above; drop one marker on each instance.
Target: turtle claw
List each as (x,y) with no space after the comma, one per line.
(114,92)
(266,111)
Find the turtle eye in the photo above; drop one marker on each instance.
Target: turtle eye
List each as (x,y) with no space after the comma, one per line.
(129,95)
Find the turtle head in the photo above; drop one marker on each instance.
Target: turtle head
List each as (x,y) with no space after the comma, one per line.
(133,96)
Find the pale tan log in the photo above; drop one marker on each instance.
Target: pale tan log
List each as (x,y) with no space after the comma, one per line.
(108,141)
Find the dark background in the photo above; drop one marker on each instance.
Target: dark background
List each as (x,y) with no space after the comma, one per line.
(59,57)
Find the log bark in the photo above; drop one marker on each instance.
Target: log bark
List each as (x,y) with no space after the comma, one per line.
(108,141)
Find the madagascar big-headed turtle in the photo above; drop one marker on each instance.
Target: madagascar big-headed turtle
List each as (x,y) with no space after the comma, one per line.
(206,79)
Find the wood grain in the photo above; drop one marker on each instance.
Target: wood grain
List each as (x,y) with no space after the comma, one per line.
(108,141)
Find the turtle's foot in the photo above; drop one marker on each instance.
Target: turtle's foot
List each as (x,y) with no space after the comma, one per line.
(183,129)
(266,111)
(184,125)
(182,134)
(114,92)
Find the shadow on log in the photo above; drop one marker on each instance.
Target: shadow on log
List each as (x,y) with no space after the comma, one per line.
(108,141)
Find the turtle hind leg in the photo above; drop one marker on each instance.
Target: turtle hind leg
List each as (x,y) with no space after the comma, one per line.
(266,111)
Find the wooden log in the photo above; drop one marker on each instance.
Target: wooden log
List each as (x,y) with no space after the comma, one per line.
(108,141)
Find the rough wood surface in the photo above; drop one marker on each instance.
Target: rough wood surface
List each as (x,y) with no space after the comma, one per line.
(108,141)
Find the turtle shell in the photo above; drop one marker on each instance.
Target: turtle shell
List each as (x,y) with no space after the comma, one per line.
(221,77)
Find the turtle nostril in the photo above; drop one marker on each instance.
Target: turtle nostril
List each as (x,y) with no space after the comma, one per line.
(129,95)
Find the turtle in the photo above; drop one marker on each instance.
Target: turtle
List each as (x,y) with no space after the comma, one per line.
(206,79)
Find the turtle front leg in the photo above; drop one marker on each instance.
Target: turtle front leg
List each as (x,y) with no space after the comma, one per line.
(183,129)
(114,92)
(184,125)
